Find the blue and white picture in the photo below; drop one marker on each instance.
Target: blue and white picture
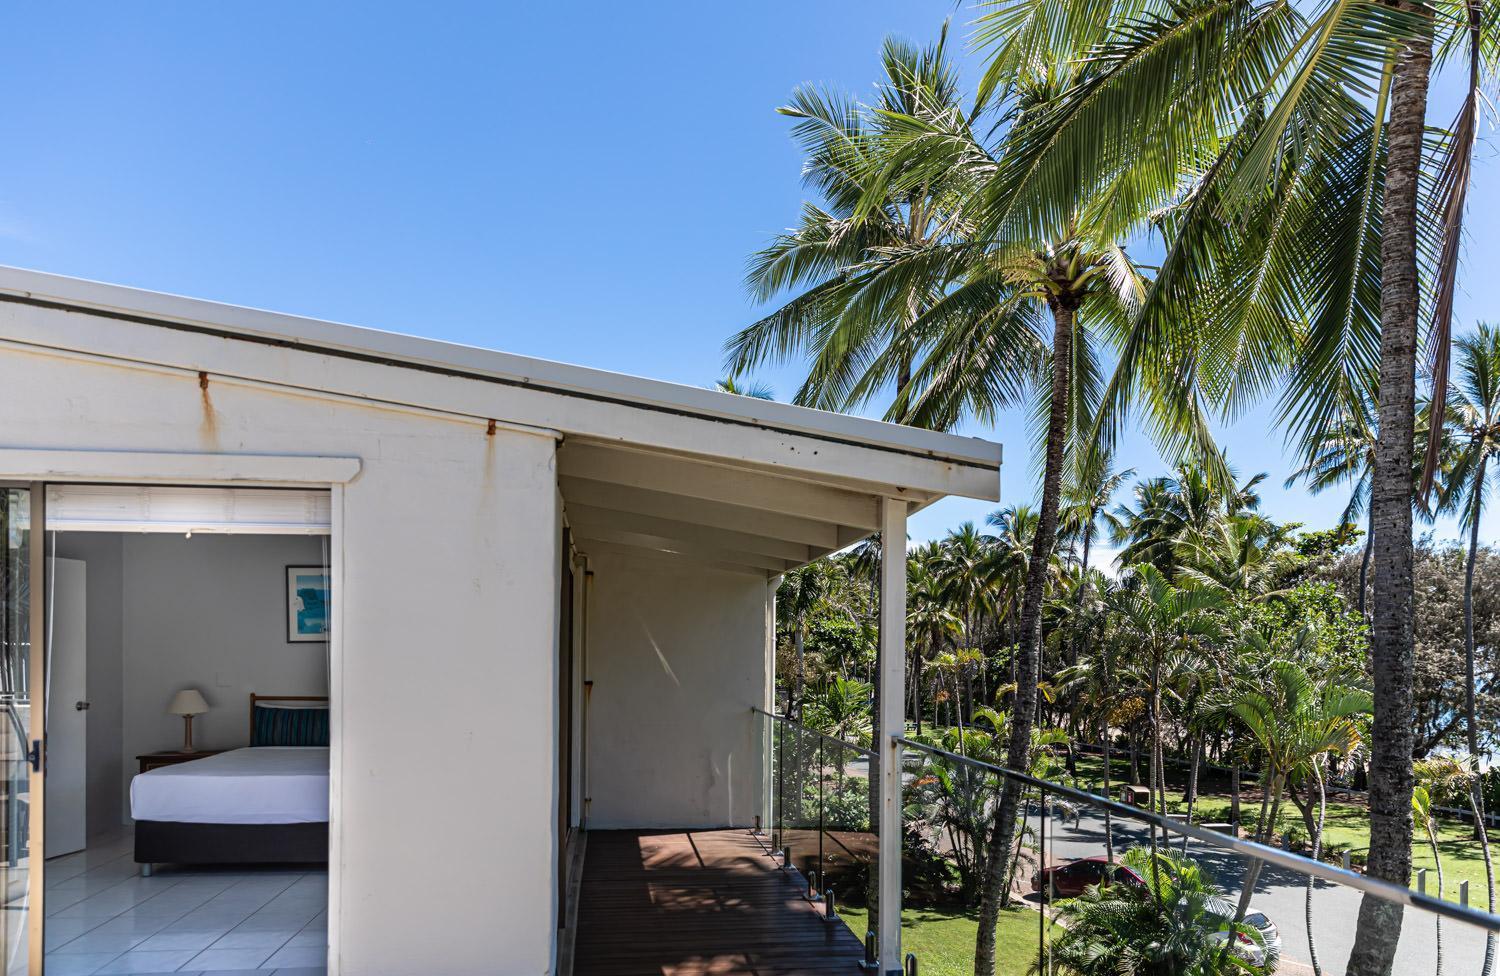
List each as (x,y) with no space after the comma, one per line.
(307,594)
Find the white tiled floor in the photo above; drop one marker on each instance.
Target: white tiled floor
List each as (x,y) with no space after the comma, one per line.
(103,917)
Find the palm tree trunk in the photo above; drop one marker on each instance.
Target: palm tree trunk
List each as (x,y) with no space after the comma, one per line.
(1252,873)
(799,681)
(1489,873)
(1470,728)
(996,891)
(1364,561)
(1192,789)
(1437,922)
(1392,654)
(1109,840)
(917,691)
(1317,846)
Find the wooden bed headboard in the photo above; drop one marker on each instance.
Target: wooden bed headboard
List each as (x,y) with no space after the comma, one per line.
(257,699)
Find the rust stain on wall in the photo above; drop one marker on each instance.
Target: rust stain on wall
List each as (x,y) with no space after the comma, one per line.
(488,473)
(208,427)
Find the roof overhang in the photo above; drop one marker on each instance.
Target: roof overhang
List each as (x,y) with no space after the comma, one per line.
(627,440)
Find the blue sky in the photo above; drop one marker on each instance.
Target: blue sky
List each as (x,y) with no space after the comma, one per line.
(580,182)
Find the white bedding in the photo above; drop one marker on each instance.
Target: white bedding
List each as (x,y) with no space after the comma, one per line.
(263,785)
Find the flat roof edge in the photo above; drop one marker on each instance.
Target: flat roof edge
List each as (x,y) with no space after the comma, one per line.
(318,335)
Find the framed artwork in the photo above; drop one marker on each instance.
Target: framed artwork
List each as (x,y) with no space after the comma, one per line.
(307,594)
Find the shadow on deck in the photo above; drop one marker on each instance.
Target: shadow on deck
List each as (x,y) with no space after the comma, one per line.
(683,903)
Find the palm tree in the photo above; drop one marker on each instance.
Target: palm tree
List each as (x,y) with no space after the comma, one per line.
(929,620)
(1245,557)
(1172,509)
(1296,721)
(1421,808)
(1172,927)
(1087,496)
(853,257)
(746,388)
(802,593)
(1260,110)
(1343,452)
(1158,621)
(841,709)
(964,571)
(897,280)
(1092,683)
(1474,411)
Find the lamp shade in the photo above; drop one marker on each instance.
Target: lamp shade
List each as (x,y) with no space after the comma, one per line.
(188,701)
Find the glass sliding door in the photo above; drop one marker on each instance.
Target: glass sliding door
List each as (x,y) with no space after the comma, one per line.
(22,680)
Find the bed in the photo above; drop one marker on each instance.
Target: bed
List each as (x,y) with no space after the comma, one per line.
(264,804)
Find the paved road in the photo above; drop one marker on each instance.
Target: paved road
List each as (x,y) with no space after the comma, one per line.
(1281,895)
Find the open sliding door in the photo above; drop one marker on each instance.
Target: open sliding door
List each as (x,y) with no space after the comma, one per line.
(22,680)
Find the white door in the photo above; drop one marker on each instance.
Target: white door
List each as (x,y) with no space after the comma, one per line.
(67,712)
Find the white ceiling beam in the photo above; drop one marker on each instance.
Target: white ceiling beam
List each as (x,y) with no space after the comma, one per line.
(643,540)
(595,548)
(708,481)
(735,518)
(584,517)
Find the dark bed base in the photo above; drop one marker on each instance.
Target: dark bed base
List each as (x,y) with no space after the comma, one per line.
(167,842)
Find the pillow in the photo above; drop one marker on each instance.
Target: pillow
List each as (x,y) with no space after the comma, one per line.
(274,726)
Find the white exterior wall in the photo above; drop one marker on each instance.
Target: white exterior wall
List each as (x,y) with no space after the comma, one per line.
(677,656)
(443,660)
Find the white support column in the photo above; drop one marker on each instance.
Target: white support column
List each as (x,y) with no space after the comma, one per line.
(892,723)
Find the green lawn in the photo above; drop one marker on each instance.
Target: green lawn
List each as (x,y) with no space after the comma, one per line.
(1347,826)
(943,939)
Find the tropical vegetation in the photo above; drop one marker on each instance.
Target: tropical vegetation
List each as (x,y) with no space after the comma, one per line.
(974,252)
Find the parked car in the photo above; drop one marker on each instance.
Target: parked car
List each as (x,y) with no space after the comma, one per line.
(1255,951)
(1069,880)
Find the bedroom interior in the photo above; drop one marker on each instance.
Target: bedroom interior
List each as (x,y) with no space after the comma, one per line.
(187,797)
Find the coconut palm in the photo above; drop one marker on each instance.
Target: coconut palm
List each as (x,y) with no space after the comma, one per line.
(1343,453)
(1172,509)
(841,709)
(852,258)
(1087,496)
(1159,622)
(1474,412)
(929,621)
(746,388)
(802,593)
(1245,557)
(965,569)
(1279,118)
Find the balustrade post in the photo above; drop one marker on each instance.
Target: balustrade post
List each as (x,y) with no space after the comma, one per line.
(892,724)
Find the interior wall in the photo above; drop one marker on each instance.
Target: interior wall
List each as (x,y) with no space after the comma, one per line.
(102,553)
(677,659)
(166,612)
(209,612)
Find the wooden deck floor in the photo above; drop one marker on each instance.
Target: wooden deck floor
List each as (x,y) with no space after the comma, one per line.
(687,903)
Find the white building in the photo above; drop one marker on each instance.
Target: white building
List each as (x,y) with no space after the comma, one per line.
(550,606)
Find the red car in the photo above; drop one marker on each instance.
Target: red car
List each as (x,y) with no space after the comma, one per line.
(1069,880)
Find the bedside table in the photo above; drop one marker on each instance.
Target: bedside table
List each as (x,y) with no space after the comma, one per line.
(156,760)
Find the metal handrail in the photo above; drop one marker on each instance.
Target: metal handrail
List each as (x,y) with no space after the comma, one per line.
(1293,862)
(867,753)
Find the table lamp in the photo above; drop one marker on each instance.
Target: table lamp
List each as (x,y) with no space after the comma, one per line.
(187,703)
